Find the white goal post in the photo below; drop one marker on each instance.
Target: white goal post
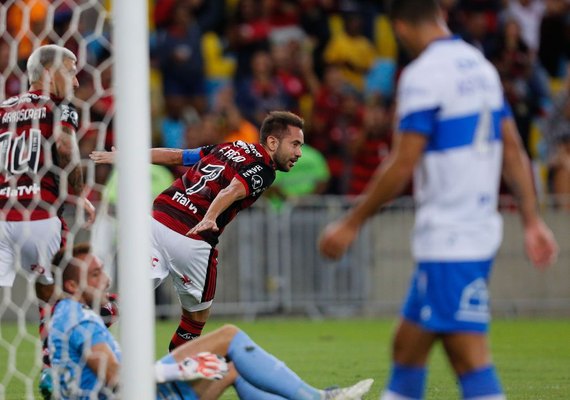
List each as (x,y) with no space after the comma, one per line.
(132,125)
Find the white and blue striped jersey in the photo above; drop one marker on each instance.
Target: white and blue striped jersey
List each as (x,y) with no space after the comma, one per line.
(453,96)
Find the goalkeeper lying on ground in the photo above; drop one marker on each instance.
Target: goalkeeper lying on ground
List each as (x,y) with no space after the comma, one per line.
(83,351)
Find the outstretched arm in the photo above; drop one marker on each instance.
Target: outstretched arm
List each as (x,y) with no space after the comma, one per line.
(388,181)
(235,191)
(540,245)
(159,156)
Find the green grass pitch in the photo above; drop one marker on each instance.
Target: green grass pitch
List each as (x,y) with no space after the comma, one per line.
(533,356)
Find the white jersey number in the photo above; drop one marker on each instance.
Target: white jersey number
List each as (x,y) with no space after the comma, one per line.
(17,158)
(210,172)
(484,132)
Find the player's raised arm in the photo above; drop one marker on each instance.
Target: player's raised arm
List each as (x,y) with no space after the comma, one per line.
(236,190)
(540,244)
(388,181)
(160,156)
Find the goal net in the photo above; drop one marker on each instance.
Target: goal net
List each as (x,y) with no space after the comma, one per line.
(84,27)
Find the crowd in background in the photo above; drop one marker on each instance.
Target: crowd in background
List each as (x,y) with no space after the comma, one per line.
(218,66)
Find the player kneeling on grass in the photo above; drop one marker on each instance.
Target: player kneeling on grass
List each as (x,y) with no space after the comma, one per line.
(86,358)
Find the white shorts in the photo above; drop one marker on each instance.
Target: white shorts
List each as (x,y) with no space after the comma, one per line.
(30,244)
(191,263)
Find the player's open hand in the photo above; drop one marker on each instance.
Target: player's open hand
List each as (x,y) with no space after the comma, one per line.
(204,225)
(336,238)
(204,365)
(104,157)
(540,244)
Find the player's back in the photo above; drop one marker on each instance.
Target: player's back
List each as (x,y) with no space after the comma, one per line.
(29,184)
(184,204)
(453,95)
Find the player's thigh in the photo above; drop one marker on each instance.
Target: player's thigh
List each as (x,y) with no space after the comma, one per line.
(192,264)
(412,344)
(194,273)
(38,242)
(467,351)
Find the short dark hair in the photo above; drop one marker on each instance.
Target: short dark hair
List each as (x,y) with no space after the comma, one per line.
(66,264)
(276,123)
(413,11)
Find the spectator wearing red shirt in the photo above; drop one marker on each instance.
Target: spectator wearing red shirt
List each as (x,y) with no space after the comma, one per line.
(372,148)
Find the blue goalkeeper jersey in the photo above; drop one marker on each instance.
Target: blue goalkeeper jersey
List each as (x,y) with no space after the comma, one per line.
(74,329)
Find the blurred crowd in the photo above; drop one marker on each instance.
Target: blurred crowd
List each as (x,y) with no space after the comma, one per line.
(218,66)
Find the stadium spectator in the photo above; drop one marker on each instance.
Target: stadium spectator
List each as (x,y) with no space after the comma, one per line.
(261,92)
(476,30)
(234,125)
(10,83)
(528,14)
(330,125)
(557,135)
(86,357)
(178,53)
(315,22)
(98,94)
(457,156)
(190,216)
(373,146)
(554,47)
(247,33)
(26,20)
(353,52)
(294,63)
(345,134)
(39,150)
(515,63)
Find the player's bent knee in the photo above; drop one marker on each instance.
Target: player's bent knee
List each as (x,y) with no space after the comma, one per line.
(229,330)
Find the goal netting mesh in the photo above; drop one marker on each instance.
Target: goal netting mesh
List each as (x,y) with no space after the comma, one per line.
(83,26)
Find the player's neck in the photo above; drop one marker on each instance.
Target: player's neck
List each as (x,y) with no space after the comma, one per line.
(269,151)
(432,32)
(40,87)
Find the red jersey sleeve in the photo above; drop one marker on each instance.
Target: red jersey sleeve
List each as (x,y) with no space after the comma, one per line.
(256,177)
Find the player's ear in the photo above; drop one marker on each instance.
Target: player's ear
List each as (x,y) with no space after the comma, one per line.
(272,142)
(70,286)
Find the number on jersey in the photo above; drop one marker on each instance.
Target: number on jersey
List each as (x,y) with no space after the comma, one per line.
(484,132)
(18,158)
(210,172)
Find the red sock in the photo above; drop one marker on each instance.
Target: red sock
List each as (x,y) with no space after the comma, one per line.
(186,331)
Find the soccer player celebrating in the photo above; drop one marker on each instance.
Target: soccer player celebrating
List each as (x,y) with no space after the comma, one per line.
(86,357)
(456,131)
(191,214)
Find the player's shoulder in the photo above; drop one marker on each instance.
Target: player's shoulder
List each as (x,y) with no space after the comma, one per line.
(68,313)
(254,151)
(25,99)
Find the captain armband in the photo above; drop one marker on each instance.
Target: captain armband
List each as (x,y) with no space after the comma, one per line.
(191,156)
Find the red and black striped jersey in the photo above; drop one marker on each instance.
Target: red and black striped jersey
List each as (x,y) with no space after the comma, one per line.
(29,171)
(184,204)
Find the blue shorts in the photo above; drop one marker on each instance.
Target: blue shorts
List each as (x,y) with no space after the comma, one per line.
(447,297)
